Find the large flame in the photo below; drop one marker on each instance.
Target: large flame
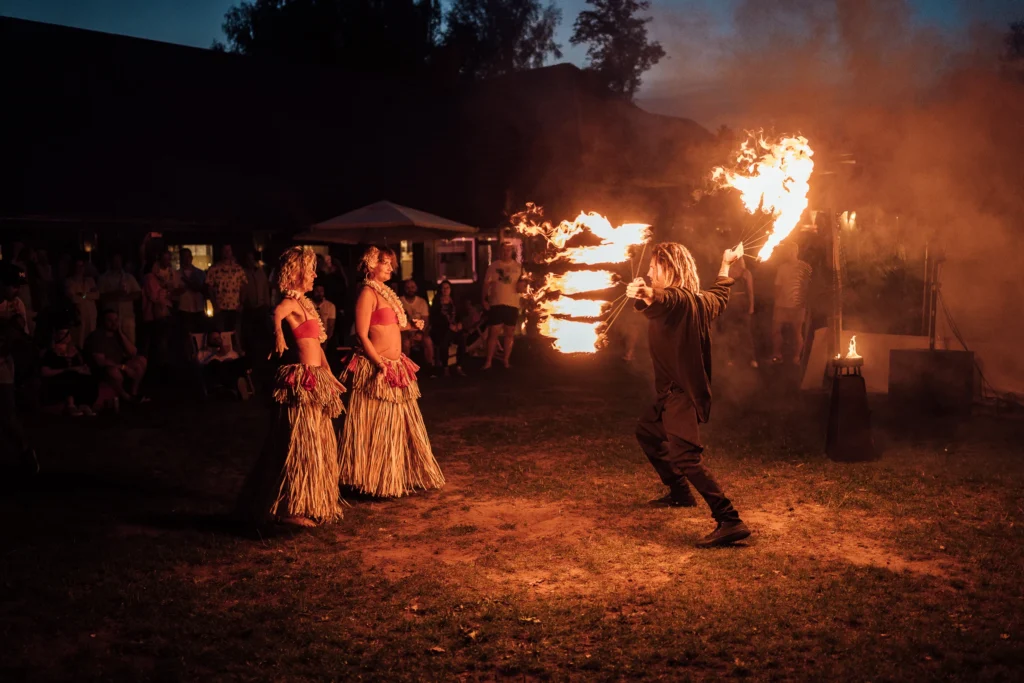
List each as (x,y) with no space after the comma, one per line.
(772,177)
(560,312)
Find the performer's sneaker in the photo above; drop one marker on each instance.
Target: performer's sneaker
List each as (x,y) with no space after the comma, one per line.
(674,500)
(724,534)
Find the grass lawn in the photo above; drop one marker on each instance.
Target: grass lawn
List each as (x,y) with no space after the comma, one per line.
(539,560)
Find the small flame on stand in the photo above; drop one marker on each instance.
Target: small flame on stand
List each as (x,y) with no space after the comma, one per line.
(851,351)
(560,312)
(772,177)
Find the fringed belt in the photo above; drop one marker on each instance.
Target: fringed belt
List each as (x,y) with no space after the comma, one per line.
(304,385)
(395,383)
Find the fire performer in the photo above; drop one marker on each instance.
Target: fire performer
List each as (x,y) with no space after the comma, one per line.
(296,478)
(679,319)
(385,450)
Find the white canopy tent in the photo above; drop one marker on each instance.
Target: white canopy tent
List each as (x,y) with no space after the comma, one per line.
(385,222)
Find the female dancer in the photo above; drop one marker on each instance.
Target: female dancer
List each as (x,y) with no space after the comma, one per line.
(384,447)
(296,478)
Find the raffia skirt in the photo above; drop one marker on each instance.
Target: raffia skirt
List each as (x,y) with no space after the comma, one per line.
(297,473)
(385,450)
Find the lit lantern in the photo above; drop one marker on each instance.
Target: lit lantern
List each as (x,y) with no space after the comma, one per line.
(209,308)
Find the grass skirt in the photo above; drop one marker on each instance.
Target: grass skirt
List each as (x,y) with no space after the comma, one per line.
(297,474)
(385,450)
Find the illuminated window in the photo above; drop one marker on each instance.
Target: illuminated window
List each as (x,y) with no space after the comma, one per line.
(405,259)
(202,255)
(455,260)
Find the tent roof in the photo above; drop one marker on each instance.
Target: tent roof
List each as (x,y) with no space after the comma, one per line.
(385,220)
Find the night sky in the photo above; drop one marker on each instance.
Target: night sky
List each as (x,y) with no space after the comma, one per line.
(198,22)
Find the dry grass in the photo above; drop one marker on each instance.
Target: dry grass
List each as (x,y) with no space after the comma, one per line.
(538,561)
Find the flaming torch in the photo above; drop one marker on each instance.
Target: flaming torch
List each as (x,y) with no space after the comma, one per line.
(773,178)
(571,314)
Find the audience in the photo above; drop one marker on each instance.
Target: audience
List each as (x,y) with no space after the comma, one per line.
(223,366)
(192,303)
(81,289)
(792,281)
(255,303)
(327,310)
(119,290)
(161,286)
(225,281)
(67,378)
(446,330)
(416,309)
(115,359)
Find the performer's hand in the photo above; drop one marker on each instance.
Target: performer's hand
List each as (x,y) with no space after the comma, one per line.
(487,305)
(280,347)
(418,324)
(638,289)
(732,255)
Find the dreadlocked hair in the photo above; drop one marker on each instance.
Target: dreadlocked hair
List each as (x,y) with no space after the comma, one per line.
(373,255)
(294,264)
(677,263)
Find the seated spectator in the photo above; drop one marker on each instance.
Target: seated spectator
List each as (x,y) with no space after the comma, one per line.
(13,439)
(115,360)
(223,366)
(446,330)
(11,304)
(474,329)
(66,377)
(416,309)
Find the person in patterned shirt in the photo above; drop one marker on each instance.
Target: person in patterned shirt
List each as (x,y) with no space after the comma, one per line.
(225,281)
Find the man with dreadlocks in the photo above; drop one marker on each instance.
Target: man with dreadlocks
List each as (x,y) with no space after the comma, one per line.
(679,319)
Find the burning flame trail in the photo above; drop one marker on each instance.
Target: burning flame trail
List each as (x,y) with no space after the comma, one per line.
(560,313)
(774,178)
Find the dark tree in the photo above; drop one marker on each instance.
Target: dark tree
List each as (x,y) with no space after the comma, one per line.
(494,37)
(1013,53)
(394,36)
(618,51)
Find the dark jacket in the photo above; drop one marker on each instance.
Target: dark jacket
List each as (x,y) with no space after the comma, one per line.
(679,336)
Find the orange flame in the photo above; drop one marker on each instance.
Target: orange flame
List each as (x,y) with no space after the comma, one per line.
(558,310)
(851,351)
(773,178)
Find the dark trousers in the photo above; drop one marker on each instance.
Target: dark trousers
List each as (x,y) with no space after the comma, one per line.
(670,437)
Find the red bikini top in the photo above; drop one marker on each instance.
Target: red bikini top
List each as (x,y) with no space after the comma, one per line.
(384,316)
(307,330)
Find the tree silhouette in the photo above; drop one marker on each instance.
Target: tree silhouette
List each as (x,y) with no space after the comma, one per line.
(494,37)
(618,51)
(1013,53)
(385,36)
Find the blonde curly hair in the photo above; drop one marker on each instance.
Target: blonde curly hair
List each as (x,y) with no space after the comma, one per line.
(373,255)
(677,263)
(294,264)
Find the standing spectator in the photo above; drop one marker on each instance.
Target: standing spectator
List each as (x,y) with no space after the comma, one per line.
(115,359)
(503,288)
(416,309)
(192,303)
(225,281)
(82,290)
(256,302)
(736,324)
(159,287)
(791,284)
(327,310)
(445,329)
(119,290)
(66,376)
(40,278)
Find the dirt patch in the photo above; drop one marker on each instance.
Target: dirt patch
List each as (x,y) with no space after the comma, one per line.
(783,529)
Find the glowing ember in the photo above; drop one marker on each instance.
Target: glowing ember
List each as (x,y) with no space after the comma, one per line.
(553,298)
(851,352)
(772,178)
